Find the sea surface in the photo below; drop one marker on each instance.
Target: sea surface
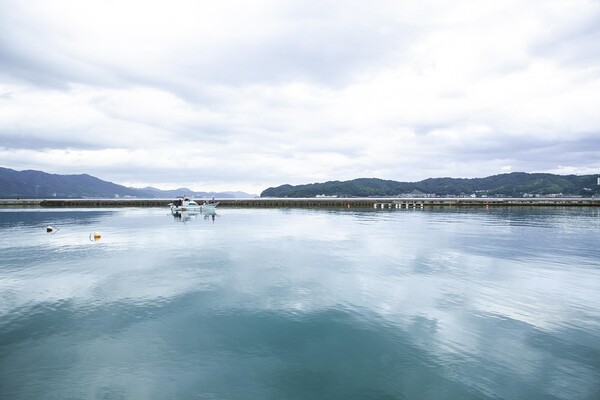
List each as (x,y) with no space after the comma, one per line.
(450,303)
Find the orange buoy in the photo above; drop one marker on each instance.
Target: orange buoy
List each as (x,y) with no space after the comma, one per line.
(95,236)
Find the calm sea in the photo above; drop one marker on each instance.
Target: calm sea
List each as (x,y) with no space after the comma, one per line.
(300,304)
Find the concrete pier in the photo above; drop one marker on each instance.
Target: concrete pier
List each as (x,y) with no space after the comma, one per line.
(20,202)
(376,203)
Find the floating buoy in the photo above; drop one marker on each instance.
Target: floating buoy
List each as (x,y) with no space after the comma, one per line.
(95,236)
(49,228)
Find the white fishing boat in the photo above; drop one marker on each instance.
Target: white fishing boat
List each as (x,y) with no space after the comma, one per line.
(184,204)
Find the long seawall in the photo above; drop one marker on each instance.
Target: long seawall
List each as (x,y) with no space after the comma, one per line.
(314,202)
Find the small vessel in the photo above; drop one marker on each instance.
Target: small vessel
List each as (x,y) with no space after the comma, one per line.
(185,204)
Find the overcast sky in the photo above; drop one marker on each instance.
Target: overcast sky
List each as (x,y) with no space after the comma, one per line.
(243,95)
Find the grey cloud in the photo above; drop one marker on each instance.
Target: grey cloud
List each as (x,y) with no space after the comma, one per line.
(37,143)
(203,177)
(576,44)
(20,67)
(501,146)
(312,54)
(27,54)
(582,153)
(218,132)
(424,129)
(315,46)
(240,109)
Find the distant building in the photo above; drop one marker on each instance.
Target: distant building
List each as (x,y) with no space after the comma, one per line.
(416,194)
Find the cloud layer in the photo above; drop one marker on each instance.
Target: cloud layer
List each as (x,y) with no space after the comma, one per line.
(245,95)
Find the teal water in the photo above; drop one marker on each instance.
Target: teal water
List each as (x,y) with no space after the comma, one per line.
(300,304)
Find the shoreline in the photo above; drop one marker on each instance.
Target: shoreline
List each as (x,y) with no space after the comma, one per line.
(381,202)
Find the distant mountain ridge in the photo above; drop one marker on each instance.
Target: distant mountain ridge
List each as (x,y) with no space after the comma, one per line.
(516,184)
(38,184)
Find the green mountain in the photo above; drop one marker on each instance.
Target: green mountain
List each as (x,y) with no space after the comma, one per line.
(38,184)
(516,184)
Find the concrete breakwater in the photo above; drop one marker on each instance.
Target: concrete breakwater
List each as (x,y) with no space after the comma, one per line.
(377,203)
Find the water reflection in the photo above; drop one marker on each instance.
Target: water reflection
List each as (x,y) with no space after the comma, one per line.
(304,304)
(12,218)
(206,214)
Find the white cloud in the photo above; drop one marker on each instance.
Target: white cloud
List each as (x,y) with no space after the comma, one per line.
(250,95)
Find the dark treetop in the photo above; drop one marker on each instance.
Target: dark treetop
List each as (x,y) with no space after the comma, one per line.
(515,184)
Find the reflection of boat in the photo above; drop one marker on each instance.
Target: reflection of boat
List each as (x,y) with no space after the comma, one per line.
(184,204)
(207,214)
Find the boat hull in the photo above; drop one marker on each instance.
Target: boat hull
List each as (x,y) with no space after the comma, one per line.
(194,208)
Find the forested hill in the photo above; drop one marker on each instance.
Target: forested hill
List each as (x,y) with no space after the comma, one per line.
(515,184)
(38,184)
